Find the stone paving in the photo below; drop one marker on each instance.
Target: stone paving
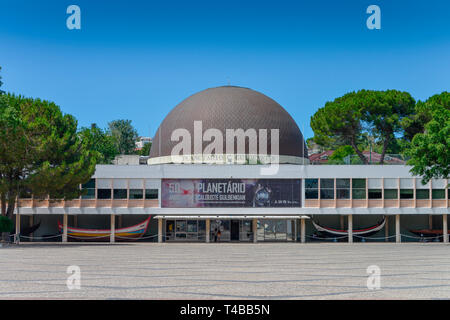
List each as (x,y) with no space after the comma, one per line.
(225,271)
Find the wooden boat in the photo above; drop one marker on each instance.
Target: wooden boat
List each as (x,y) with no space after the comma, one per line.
(326,232)
(429,233)
(29,230)
(122,234)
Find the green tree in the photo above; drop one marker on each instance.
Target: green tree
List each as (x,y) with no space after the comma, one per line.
(41,151)
(358,117)
(6,224)
(340,123)
(384,112)
(415,123)
(340,153)
(145,151)
(430,151)
(101,142)
(124,134)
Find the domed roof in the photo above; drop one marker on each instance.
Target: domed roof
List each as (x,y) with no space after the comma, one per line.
(234,108)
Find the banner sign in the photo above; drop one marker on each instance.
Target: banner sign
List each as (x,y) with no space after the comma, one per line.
(199,193)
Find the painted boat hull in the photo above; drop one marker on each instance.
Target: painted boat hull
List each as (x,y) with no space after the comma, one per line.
(100,235)
(325,232)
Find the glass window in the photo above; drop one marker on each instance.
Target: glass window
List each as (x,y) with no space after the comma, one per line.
(327,188)
(406,193)
(312,194)
(359,183)
(311,189)
(88,189)
(311,183)
(343,188)
(89,194)
(181,225)
(375,194)
(136,194)
(359,188)
(326,194)
(192,226)
(104,193)
(151,194)
(422,194)
(359,193)
(343,183)
(170,226)
(120,194)
(390,194)
(438,193)
(326,183)
(89,185)
(343,193)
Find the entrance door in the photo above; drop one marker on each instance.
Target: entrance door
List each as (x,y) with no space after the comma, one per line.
(234,230)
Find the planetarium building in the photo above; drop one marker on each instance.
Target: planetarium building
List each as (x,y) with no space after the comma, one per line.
(230,164)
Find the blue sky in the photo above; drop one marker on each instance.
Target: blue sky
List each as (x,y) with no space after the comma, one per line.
(138,59)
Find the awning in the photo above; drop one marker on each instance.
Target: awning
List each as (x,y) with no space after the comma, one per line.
(229,217)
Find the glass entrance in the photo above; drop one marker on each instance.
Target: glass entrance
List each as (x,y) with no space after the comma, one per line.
(185,230)
(235,230)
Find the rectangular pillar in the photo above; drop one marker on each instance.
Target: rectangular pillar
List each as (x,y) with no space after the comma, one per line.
(255,230)
(386,230)
(445,228)
(398,238)
(64,235)
(160,235)
(17,237)
(112,235)
(31,222)
(350,228)
(207,229)
(302,231)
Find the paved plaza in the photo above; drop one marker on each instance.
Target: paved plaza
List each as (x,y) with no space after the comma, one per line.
(225,271)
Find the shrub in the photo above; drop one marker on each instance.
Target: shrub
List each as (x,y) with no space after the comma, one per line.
(6,225)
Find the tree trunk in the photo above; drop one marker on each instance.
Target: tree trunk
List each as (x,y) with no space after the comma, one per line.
(383,153)
(3,204)
(358,152)
(11,205)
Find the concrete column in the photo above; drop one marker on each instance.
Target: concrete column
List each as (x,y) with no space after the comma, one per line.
(160,229)
(398,238)
(64,235)
(31,222)
(386,229)
(255,230)
(350,228)
(112,235)
(445,228)
(302,231)
(207,230)
(120,222)
(17,238)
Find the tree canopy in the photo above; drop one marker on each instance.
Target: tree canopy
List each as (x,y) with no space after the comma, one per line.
(41,151)
(145,151)
(352,118)
(429,149)
(124,135)
(101,142)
